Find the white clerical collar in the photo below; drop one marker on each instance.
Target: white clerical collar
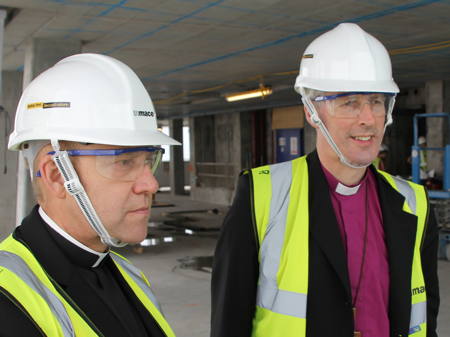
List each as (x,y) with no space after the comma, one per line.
(345,190)
(70,238)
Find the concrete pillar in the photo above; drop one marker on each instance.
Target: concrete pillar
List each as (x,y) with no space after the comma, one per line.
(6,202)
(217,156)
(176,166)
(40,54)
(434,101)
(447,110)
(11,89)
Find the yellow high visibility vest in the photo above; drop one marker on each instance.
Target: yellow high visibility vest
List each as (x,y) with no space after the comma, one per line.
(283,231)
(22,276)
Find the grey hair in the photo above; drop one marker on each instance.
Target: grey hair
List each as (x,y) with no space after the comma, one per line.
(312,93)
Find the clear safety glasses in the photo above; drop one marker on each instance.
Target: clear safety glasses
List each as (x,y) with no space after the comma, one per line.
(350,104)
(122,164)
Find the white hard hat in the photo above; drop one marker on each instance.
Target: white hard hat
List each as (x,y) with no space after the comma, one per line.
(346,59)
(87,98)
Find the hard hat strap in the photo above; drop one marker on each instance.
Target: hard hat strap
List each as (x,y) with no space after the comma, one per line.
(389,113)
(74,187)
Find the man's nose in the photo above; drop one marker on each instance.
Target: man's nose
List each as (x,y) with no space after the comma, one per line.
(146,182)
(366,114)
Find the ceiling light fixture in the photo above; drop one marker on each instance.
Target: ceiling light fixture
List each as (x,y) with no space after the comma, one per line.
(262,91)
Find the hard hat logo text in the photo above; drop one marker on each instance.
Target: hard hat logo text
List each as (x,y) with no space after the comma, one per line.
(140,113)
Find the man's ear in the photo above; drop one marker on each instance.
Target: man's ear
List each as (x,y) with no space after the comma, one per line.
(308,117)
(51,177)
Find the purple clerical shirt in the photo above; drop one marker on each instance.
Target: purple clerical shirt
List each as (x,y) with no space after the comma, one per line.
(349,203)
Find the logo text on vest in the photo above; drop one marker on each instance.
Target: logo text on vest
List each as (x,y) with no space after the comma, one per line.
(418,290)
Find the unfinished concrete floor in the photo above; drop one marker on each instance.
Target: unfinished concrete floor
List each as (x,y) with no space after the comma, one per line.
(185,293)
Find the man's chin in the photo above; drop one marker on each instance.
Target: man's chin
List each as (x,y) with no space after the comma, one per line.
(360,162)
(136,236)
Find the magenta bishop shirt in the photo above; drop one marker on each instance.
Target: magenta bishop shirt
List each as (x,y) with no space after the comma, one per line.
(349,206)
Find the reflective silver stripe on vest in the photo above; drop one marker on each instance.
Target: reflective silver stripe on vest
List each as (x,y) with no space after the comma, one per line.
(17,265)
(418,314)
(135,274)
(407,191)
(268,294)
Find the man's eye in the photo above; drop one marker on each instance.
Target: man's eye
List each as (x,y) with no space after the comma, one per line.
(350,102)
(377,101)
(125,162)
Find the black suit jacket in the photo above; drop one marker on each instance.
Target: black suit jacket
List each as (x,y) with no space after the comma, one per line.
(329,309)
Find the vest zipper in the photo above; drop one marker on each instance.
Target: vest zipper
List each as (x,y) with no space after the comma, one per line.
(21,308)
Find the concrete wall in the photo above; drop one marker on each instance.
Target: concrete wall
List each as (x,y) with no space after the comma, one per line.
(12,88)
(446,109)
(246,140)
(434,98)
(162,174)
(217,140)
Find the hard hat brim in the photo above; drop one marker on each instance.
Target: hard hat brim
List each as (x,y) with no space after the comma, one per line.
(132,138)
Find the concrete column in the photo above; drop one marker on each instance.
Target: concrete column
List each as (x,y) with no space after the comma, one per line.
(434,100)
(40,54)
(176,166)
(447,110)
(11,89)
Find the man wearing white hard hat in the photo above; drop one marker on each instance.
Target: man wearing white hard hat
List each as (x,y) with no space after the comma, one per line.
(87,129)
(326,245)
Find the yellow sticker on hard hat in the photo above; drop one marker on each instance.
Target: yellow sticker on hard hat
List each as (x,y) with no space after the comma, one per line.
(35,105)
(48,105)
(308,56)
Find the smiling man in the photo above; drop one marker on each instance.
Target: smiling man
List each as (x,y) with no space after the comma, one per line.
(87,129)
(326,245)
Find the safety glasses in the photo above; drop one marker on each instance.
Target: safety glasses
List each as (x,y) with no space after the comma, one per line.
(121,164)
(350,104)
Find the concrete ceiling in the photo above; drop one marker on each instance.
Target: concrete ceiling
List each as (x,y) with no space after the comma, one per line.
(189,53)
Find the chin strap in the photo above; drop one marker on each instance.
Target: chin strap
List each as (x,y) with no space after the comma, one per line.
(75,188)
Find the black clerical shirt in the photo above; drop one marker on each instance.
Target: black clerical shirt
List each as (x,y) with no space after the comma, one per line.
(100,292)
